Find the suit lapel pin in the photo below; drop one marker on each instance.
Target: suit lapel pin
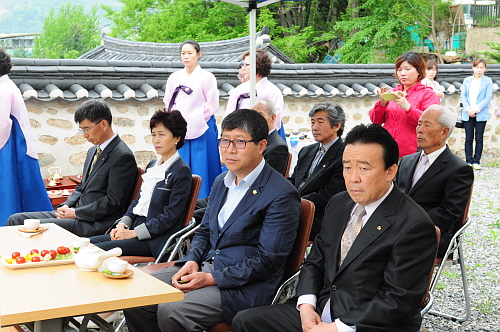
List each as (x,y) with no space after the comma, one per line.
(254,192)
(379,228)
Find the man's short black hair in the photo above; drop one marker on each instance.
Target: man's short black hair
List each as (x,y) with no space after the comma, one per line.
(249,121)
(94,110)
(375,134)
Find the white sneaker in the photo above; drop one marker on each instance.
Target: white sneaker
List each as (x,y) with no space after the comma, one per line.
(476,166)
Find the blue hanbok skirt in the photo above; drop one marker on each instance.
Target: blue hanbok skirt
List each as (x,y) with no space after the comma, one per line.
(202,155)
(21,185)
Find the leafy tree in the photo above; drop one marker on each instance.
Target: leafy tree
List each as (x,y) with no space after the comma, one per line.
(68,33)
(177,20)
(494,54)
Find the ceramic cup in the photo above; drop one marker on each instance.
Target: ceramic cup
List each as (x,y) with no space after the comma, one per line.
(117,266)
(80,242)
(32,224)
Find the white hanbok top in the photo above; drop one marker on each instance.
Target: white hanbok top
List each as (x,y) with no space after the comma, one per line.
(200,104)
(264,90)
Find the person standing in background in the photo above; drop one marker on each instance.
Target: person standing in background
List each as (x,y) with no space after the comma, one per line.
(476,97)
(400,114)
(193,91)
(430,81)
(22,188)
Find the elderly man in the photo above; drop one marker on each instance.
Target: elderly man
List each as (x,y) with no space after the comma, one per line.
(318,173)
(238,254)
(435,178)
(276,152)
(369,267)
(108,177)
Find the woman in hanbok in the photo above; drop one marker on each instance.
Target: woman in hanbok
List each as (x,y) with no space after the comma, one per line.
(21,185)
(193,91)
(264,89)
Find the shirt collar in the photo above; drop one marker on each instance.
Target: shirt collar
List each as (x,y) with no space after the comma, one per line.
(433,155)
(105,144)
(329,144)
(370,208)
(230,178)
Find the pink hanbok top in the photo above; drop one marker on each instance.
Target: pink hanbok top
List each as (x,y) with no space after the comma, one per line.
(433,84)
(12,102)
(265,90)
(200,105)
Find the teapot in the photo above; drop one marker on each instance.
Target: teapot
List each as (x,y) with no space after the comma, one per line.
(90,258)
(56,177)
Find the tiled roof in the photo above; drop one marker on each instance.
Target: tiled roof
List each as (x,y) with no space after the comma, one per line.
(73,79)
(216,51)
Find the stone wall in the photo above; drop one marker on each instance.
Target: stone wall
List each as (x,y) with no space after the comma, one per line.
(60,144)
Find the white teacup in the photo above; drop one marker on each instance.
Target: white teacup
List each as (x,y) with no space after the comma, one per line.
(117,266)
(32,224)
(80,242)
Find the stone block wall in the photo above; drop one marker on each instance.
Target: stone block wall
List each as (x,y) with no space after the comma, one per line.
(60,144)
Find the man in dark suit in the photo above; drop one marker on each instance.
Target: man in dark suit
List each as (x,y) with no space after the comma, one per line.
(435,178)
(369,267)
(238,254)
(318,173)
(276,152)
(108,177)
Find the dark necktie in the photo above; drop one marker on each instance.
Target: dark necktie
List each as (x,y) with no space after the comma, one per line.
(184,88)
(240,99)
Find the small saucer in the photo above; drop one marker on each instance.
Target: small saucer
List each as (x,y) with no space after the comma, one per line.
(125,274)
(38,230)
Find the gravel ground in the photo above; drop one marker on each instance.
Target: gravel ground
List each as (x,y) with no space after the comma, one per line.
(481,248)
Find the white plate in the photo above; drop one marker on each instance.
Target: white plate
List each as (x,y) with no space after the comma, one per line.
(16,266)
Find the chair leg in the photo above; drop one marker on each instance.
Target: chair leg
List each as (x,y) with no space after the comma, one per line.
(120,326)
(465,289)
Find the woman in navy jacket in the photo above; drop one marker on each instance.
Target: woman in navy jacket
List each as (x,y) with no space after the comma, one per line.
(476,97)
(159,209)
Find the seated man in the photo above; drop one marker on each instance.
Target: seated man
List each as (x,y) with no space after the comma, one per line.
(435,178)
(318,173)
(374,281)
(238,254)
(108,178)
(276,152)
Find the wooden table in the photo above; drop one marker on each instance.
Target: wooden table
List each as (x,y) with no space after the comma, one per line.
(46,294)
(56,197)
(65,184)
(75,178)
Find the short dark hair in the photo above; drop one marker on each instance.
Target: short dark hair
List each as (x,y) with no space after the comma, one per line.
(263,62)
(191,42)
(173,121)
(94,110)
(5,63)
(431,63)
(335,114)
(375,134)
(414,59)
(478,61)
(247,120)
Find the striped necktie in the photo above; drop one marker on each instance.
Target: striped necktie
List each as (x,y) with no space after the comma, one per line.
(96,156)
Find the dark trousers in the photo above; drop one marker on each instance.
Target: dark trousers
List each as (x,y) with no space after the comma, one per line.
(270,318)
(471,126)
(130,247)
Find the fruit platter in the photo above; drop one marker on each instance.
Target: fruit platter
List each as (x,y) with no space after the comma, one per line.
(39,258)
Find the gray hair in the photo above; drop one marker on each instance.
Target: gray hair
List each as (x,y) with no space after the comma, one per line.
(446,117)
(268,106)
(335,114)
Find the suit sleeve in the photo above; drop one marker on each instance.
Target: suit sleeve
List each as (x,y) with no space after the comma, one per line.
(121,177)
(277,158)
(456,195)
(485,103)
(464,96)
(277,235)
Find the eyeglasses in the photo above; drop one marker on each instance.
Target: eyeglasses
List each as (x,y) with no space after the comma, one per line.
(237,143)
(84,130)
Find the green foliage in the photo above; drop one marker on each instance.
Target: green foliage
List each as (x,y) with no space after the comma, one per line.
(494,54)
(381,32)
(176,21)
(68,33)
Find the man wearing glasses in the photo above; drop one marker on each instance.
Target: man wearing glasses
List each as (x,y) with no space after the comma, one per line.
(238,254)
(107,179)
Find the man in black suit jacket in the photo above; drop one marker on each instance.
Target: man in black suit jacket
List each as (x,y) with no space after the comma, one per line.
(107,182)
(318,176)
(276,152)
(380,283)
(444,188)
